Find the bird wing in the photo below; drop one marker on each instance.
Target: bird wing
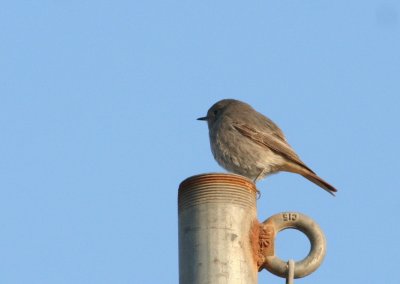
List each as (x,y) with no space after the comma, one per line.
(276,143)
(276,131)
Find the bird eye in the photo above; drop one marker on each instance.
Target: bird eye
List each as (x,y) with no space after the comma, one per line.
(215,112)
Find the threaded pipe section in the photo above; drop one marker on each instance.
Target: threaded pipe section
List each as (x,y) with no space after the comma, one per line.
(216,188)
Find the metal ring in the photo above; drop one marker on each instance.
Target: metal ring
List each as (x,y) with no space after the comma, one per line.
(315,235)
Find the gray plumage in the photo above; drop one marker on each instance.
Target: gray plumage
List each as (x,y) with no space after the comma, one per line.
(245,142)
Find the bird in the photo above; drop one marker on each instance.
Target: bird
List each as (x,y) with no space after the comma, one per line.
(245,142)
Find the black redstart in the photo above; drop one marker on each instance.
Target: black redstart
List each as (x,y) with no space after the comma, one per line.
(245,142)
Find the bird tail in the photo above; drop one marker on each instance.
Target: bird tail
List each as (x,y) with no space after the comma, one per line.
(311,176)
(320,182)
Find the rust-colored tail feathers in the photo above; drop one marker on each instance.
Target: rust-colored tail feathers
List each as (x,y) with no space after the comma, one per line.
(309,174)
(320,182)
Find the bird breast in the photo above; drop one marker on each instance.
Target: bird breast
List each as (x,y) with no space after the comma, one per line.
(238,154)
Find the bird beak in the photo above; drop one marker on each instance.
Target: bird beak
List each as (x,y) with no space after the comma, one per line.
(203,118)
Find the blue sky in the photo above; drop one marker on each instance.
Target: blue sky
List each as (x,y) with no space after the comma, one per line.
(98,101)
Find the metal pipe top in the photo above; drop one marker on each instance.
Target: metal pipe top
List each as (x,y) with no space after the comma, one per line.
(216,187)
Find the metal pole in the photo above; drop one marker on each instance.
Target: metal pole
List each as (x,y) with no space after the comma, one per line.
(217,214)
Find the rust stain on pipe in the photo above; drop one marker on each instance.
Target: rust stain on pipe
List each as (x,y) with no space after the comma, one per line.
(262,242)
